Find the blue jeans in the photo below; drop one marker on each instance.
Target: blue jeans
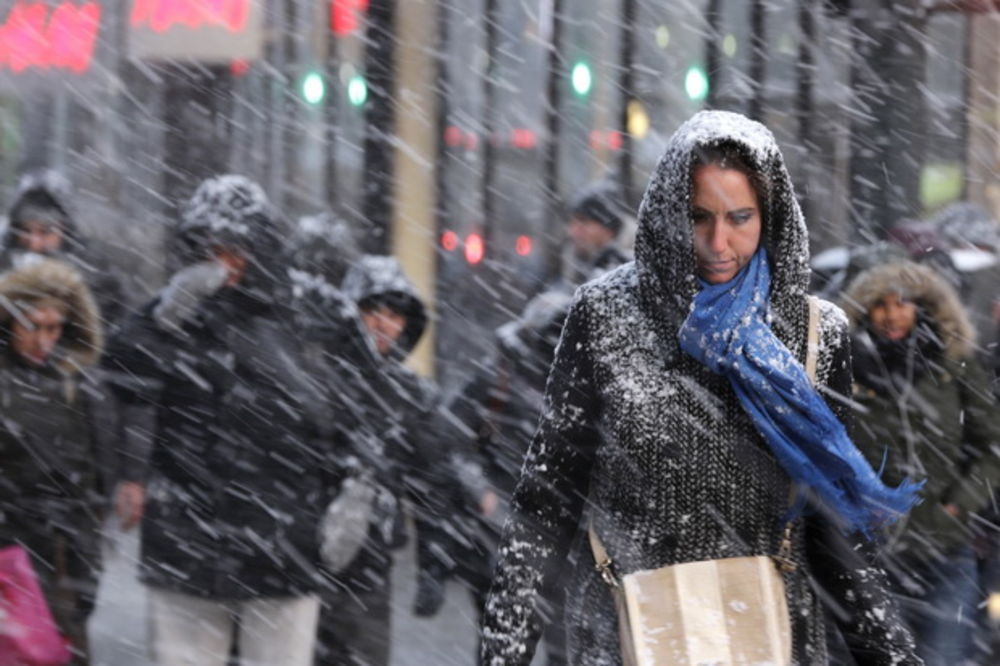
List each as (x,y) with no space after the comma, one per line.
(942,612)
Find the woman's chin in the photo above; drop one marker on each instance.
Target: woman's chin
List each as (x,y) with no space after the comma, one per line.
(717,277)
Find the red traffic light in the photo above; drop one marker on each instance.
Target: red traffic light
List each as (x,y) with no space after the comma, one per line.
(344,15)
(474,249)
(449,241)
(523,246)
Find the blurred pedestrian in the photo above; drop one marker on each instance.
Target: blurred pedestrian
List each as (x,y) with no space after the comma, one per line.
(322,250)
(971,236)
(664,430)
(491,420)
(596,220)
(407,465)
(58,437)
(42,223)
(925,410)
(244,459)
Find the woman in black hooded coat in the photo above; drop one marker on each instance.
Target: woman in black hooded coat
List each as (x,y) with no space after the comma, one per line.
(657,453)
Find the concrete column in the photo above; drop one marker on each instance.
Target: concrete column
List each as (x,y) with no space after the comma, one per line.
(983,111)
(413,223)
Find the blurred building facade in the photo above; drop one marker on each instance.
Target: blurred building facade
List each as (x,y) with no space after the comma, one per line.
(451,132)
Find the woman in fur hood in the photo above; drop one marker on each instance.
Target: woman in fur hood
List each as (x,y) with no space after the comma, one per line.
(58,437)
(925,409)
(645,436)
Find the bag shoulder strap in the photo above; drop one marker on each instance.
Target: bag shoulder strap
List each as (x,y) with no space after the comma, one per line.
(812,341)
(602,562)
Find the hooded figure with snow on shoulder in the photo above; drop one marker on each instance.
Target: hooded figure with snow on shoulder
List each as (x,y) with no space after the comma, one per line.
(42,224)
(663,432)
(244,457)
(489,424)
(394,443)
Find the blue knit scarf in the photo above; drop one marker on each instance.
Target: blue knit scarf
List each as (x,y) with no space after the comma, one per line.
(727,330)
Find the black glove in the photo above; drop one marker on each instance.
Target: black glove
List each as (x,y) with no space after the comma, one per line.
(430,595)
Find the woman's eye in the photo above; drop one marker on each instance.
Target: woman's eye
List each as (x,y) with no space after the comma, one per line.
(701,215)
(741,218)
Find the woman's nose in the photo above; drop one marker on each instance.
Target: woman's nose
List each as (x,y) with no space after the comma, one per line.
(718,240)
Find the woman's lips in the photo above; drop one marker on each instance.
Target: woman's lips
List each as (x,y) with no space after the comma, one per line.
(717,266)
(894,333)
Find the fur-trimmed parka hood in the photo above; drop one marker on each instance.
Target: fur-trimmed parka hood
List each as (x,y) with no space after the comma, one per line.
(920,284)
(50,280)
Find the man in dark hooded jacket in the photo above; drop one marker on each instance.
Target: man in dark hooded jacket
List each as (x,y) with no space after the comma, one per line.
(41,223)
(244,460)
(596,220)
(491,421)
(396,410)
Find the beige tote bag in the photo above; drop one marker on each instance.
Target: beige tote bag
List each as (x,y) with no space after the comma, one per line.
(726,612)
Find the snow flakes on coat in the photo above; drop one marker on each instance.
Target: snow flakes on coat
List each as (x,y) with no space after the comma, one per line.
(654,451)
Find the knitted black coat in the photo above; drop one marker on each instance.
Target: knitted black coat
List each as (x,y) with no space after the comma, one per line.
(655,451)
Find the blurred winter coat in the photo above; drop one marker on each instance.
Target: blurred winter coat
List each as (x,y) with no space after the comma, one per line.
(46,195)
(396,437)
(489,424)
(495,414)
(58,431)
(972,236)
(244,457)
(323,247)
(925,409)
(576,271)
(656,452)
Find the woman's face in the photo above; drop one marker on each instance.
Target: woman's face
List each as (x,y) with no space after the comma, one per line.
(892,317)
(727,225)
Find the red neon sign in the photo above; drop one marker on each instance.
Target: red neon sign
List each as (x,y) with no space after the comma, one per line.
(344,15)
(162,15)
(33,36)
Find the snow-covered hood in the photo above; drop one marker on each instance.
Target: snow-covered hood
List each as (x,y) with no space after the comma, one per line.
(664,247)
(234,211)
(965,224)
(536,332)
(323,246)
(377,276)
(46,192)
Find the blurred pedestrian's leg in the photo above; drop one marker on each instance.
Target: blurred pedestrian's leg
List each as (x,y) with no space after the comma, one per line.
(354,628)
(278,632)
(944,619)
(188,631)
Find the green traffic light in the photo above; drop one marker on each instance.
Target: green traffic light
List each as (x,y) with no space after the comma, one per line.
(581,78)
(357,90)
(696,83)
(313,88)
